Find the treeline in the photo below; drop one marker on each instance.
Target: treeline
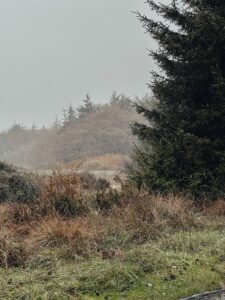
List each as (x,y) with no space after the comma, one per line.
(70,113)
(80,132)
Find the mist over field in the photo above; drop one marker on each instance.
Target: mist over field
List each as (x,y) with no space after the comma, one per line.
(53,54)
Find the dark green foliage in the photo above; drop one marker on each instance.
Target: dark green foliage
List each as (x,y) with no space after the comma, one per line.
(102,184)
(66,206)
(183,147)
(16,186)
(106,197)
(4,167)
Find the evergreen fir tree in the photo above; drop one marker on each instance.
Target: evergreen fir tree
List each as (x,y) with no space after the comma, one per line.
(64,117)
(71,114)
(182,149)
(121,100)
(87,107)
(57,123)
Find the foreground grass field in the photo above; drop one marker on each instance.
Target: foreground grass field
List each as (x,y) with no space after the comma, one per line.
(83,240)
(175,266)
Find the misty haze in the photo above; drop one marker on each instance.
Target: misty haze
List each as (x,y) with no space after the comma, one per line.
(54,52)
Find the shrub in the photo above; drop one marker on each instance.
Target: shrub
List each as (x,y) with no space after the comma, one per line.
(17,186)
(6,167)
(102,184)
(88,180)
(71,194)
(61,193)
(107,199)
(68,206)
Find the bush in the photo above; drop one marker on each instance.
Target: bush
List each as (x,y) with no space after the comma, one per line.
(88,180)
(62,194)
(71,194)
(17,186)
(68,206)
(107,199)
(102,184)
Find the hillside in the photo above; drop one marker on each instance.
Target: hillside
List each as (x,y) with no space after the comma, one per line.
(103,130)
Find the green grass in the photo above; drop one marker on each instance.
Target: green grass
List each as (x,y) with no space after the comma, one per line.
(175,266)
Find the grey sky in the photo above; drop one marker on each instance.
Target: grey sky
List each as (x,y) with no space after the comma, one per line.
(55,51)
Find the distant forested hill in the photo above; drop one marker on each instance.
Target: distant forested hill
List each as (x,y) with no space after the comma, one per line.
(89,130)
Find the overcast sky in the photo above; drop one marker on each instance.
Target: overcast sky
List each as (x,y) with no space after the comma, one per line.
(55,51)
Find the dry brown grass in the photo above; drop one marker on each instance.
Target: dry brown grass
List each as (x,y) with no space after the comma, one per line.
(6,213)
(56,232)
(60,183)
(147,215)
(60,192)
(137,218)
(12,251)
(144,218)
(217,208)
(83,221)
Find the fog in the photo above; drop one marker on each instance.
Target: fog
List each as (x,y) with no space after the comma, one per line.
(53,52)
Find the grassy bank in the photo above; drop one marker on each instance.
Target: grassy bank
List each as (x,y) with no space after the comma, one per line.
(175,266)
